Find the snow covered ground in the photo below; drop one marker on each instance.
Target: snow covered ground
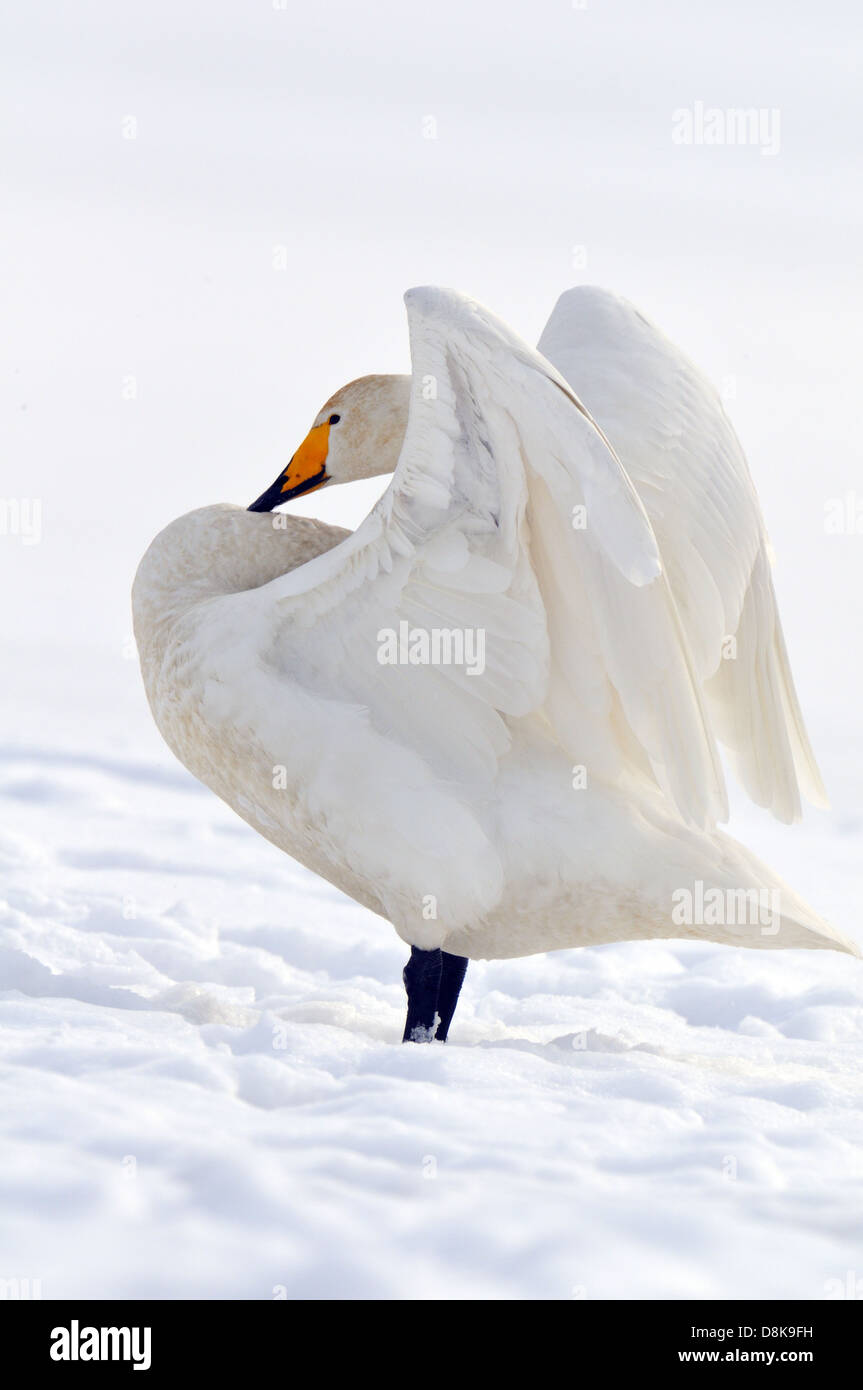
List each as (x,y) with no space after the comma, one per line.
(202,1091)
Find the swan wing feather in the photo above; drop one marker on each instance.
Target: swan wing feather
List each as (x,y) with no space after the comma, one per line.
(669,428)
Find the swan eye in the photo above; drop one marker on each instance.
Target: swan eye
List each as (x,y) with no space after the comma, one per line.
(334,419)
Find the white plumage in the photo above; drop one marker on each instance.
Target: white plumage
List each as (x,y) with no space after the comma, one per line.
(565,793)
(663,417)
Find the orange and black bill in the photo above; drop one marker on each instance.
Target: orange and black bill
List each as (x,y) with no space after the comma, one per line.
(306,471)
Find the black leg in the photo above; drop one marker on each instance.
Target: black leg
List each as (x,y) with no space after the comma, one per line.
(452,976)
(422,982)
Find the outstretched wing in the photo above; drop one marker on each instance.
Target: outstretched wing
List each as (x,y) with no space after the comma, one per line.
(670,431)
(511,525)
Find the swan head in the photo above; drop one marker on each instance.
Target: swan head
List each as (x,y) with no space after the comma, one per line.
(357,433)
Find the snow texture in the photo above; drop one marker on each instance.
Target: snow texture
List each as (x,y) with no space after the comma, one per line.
(204,1093)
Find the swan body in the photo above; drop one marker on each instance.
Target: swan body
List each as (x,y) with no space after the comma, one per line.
(563,790)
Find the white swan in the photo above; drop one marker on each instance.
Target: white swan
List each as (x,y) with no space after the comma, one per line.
(490,713)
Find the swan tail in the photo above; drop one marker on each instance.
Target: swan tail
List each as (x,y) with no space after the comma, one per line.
(757,908)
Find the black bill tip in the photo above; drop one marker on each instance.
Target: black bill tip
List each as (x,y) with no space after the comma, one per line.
(269,499)
(274,495)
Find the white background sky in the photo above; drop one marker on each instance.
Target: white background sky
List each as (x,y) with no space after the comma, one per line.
(302,128)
